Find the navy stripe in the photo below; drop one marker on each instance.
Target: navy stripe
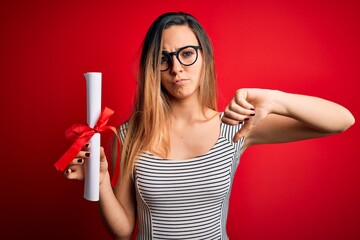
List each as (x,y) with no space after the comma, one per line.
(186,199)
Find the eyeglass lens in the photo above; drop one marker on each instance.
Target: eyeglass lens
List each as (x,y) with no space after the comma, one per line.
(186,56)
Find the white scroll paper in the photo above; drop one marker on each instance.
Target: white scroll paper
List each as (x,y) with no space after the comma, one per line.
(92,165)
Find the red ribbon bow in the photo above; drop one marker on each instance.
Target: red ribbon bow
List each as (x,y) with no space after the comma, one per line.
(81,134)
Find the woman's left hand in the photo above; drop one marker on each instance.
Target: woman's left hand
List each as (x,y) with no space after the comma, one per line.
(249,106)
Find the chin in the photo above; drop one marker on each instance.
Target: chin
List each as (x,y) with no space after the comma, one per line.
(182,94)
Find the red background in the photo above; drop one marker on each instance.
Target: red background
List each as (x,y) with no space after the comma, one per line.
(304,190)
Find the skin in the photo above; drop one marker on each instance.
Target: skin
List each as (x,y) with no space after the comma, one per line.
(270,117)
(284,117)
(192,133)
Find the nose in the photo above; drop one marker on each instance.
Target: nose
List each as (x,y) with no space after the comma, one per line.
(176,66)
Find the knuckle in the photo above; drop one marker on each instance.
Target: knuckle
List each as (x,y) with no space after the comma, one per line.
(232,105)
(73,162)
(239,100)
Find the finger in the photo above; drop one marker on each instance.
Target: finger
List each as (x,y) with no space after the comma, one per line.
(234,120)
(86,147)
(240,109)
(83,154)
(243,132)
(102,152)
(238,116)
(76,161)
(240,99)
(102,155)
(74,172)
(248,125)
(67,172)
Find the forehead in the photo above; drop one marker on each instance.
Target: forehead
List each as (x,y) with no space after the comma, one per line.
(176,37)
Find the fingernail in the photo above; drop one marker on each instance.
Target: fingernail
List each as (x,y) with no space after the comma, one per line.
(87,145)
(241,122)
(87,154)
(67,171)
(252,108)
(80,160)
(253,114)
(246,119)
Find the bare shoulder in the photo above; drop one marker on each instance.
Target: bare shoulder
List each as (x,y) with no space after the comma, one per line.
(212,114)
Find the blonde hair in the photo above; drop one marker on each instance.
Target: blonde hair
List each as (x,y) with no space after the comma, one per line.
(148,126)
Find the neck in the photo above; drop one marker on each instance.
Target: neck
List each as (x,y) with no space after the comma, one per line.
(186,109)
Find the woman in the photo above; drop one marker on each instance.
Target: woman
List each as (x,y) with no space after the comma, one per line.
(179,154)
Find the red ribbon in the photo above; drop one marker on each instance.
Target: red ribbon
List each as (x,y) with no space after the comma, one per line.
(81,134)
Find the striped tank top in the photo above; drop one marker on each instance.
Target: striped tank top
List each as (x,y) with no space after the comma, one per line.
(186,199)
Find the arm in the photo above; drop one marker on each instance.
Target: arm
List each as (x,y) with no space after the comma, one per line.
(117,206)
(284,117)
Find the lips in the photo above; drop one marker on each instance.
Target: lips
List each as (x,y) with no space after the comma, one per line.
(179,81)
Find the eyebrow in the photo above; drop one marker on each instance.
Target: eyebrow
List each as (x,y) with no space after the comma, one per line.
(177,49)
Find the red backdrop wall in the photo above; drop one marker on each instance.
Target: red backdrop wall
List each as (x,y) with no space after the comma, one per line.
(303,190)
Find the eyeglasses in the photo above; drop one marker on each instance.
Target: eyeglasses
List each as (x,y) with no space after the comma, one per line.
(187,56)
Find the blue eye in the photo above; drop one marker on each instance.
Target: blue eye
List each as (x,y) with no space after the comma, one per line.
(187,54)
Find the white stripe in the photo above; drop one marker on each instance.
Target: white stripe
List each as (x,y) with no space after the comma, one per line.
(186,199)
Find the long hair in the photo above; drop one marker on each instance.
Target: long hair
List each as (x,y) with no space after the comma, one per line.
(148,126)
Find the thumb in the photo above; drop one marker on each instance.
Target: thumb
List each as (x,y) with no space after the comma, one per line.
(243,132)
(102,155)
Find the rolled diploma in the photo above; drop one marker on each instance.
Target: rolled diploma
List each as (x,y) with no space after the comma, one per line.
(92,165)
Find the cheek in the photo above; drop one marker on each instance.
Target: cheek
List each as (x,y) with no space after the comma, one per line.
(197,71)
(163,77)
(200,65)
(164,82)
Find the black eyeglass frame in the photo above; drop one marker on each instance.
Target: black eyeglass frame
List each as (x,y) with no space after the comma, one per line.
(176,53)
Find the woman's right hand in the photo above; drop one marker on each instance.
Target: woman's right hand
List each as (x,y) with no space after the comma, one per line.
(75,169)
